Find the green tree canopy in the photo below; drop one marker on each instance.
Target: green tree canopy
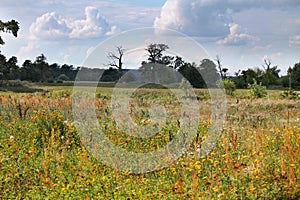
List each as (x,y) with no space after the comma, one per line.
(9,27)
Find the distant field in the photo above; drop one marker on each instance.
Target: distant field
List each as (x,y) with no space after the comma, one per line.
(42,156)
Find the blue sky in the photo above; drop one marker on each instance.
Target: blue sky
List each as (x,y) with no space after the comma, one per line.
(242,33)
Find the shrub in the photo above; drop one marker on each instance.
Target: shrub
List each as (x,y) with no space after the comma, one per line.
(289,94)
(257,90)
(228,85)
(63,77)
(185,86)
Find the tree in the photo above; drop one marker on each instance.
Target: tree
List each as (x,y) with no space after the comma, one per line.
(190,72)
(222,71)
(271,74)
(156,56)
(178,62)
(3,68)
(13,68)
(155,53)
(239,79)
(42,66)
(295,75)
(154,68)
(209,71)
(116,59)
(110,75)
(9,27)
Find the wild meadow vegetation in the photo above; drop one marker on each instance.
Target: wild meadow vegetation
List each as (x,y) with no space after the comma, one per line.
(42,157)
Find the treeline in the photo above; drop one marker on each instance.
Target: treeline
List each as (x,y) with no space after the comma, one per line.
(40,70)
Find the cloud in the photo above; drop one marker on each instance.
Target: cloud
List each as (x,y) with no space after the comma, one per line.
(236,37)
(114,30)
(294,41)
(209,18)
(94,25)
(196,18)
(52,26)
(49,25)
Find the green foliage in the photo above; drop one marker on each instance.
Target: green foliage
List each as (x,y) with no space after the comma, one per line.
(190,72)
(289,94)
(228,85)
(9,27)
(295,75)
(257,90)
(63,77)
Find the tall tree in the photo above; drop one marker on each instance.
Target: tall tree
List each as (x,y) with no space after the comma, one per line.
(116,59)
(13,68)
(155,52)
(9,27)
(209,72)
(222,71)
(295,75)
(3,68)
(190,72)
(42,65)
(271,74)
(178,62)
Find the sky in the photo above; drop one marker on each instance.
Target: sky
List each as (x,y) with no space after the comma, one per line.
(241,33)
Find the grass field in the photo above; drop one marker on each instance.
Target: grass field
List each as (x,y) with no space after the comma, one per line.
(41,156)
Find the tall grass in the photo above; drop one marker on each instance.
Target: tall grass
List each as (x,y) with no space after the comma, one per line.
(42,157)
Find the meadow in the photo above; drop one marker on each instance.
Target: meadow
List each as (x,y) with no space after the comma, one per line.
(42,157)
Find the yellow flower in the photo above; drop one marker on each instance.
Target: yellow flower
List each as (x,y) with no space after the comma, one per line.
(252,189)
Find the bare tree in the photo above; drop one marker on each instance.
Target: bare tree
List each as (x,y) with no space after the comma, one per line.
(116,59)
(271,69)
(221,70)
(267,64)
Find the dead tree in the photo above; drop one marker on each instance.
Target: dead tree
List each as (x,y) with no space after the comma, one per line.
(116,59)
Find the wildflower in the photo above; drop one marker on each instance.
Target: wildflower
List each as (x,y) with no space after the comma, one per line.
(127,180)
(11,137)
(252,189)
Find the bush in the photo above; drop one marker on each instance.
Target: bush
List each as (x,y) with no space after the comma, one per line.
(257,90)
(63,77)
(185,86)
(289,94)
(228,85)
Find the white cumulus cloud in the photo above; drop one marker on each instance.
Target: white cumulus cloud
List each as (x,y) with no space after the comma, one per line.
(237,37)
(49,25)
(194,17)
(210,18)
(94,25)
(52,26)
